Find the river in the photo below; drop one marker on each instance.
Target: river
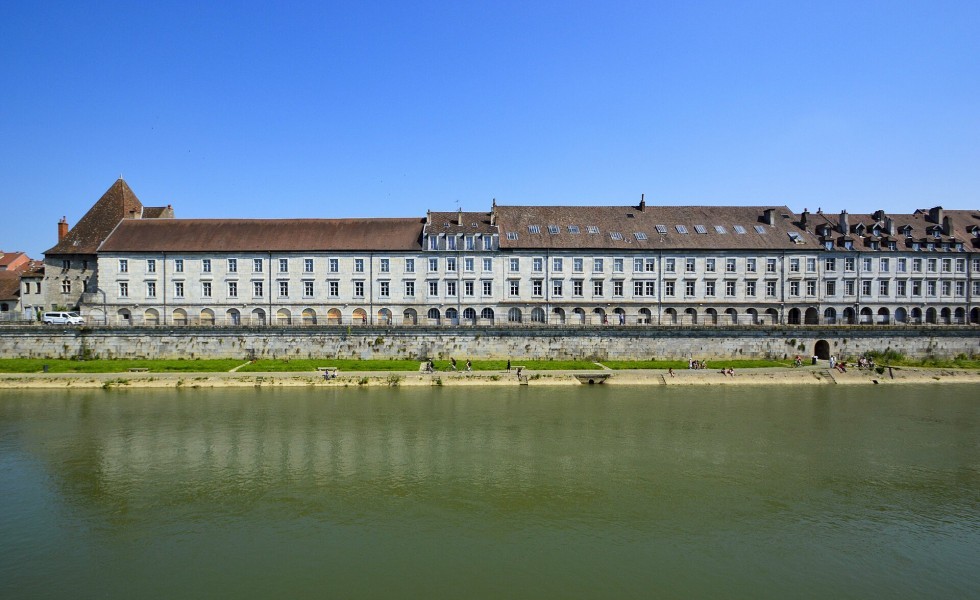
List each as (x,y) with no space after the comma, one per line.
(529,492)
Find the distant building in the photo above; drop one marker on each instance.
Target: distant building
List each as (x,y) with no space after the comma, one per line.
(12,266)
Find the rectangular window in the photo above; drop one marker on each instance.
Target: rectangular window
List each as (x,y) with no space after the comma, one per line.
(794,265)
(770,265)
(811,265)
(283,265)
(515,287)
(577,288)
(946,287)
(257,289)
(770,289)
(433,242)
(866,287)
(451,242)
(750,288)
(333,289)
(947,265)
(358,265)
(66,286)
(232,289)
(849,287)
(537,265)
(597,289)
(578,265)
(961,265)
(750,265)
(866,264)
(960,288)
(729,265)
(556,288)
(307,289)
(811,287)
(384,289)
(556,265)
(409,265)
(358,289)
(883,287)
(729,288)
(709,265)
(849,264)
(515,265)
(637,265)
(433,288)
(650,265)
(123,289)
(65,265)
(206,289)
(307,265)
(931,288)
(830,265)
(794,288)
(537,287)
(931,265)
(597,265)
(151,266)
(409,289)
(669,288)
(451,286)
(689,265)
(123,265)
(178,289)
(450,265)
(487,288)
(709,288)
(151,289)
(232,265)
(433,265)
(689,288)
(617,288)
(468,288)
(670,265)
(178,265)
(901,265)
(831,288)
(468,265)
(617,265)
(334,265)
(487,265)
(916,287)
(283,289)
(470,244)
(883,265)
(901,287)
(257,265)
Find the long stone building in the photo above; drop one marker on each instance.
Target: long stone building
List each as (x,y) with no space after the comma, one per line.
(528,265)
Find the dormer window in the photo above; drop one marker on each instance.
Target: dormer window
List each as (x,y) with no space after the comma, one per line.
(892,246)
(433,242)
(829,244)
(915,246)
(848,245)
(875,246)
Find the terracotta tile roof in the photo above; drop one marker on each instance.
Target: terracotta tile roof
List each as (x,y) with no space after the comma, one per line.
(262,235)
(448,222)
(84,238)
(10,261)
(9,285)
(158,212)
(616,227)
(920,225)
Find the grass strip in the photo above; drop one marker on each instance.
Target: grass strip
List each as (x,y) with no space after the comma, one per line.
(121,365)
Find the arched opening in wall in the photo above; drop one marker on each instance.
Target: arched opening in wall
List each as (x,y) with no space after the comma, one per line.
(959,316)
(537,315)
(901,315)
(915,316)
(434,317)
(334,317)
(944,316)
(151,317)
(646,317)
(98,317)
(233,316)
(309,316)
(487,315)
(670,317)
(690,316)
(849,316)
(124,316)
(732,316)
(207,317)
(258,317)
(811,317)
(753,316)
(598,316)
(410,317)
(883,316)
(793,317)
(620,315)
(180,316)
(283,317)
(830,316)
(712,316)
(452,315)
(772,316)
(867,317)
(822,349)
(514,315)
(578,316)
(360,316)
(469,316)
(558,316)
(931,316)
(975,316)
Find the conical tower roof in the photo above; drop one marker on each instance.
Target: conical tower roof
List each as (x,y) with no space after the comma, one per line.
(117,203)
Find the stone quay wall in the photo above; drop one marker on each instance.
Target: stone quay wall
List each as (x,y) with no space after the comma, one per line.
(541,343)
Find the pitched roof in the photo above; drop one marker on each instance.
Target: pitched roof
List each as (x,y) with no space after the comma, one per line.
(920,225)
(264,235)
(617,227)
(95,226)
(10,261)
(9,285)
(449,222)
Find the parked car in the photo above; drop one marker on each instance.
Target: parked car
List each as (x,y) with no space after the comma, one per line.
(62,318)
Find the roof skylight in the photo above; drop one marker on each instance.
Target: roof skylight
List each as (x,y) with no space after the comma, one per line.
(680,228)
(616,235)
(640,236)
(511,235)
(760,229)
(533,229)
(662,229)
(592,229)
(700,229)
(720,229)
(573,229)
(738,229)
(554,229)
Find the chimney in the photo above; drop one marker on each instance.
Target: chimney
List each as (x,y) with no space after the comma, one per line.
(804,218)
(844,227)
(890,226)
(428,217)
(643,202)
(879,215)
(62,228)
(936,215)
(947,226)
(459,217)
(493,213)
(769,216)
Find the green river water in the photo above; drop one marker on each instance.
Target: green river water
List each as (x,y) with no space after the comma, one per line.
(530,492)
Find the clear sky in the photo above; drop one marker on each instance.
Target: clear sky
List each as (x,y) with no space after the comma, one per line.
(321,109)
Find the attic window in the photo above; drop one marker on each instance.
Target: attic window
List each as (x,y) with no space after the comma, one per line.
(720,229)
(640,236)
(616,235)
(630,216)
(680,228)
(533,229)
(592,229)
(795,237)
(738,229)
(760,229)
(662,229)
(554,229)
(700,229)
(573,229)
(511,235)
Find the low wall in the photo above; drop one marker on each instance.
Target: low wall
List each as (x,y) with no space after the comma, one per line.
(614,342)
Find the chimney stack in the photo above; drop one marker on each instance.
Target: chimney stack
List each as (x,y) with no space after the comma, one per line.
(804,218)
(459,217)
(879,215)
(643,202)
(493,213)
(62,228)
(890,226)
(769,216)
(947,226)
(843,225)
(936,215)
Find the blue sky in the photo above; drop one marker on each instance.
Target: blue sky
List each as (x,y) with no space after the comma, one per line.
(270,109)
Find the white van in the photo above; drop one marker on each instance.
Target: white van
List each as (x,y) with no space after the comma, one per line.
(62,318)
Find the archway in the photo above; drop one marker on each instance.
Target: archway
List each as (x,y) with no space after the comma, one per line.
(849,316)
(453,316)
(207,317)
(691,316)
(151,317)
(975,316)
(620,315)
(916,316)
(793,317)
(180,316)
(822,349)
(959,316)
(772,316)
(670,316)
(579,316)
(931,316)
(514,315)
(830,316)
(384,317)
(124,316)
(283,317)
(469,315)
(434,316)
(558,315)
(944,316)
(233,316)
(598,316)
(811,317)
(334,317)
(883,316)
(645,317)
(732,316)
(410,317)
(487,315)
(712,315)
(360,316)
(537,315)
(258,317)
(309,316)
(753,316)
(901,315)
(866,316)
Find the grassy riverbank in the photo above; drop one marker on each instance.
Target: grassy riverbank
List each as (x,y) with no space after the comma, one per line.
(121,365)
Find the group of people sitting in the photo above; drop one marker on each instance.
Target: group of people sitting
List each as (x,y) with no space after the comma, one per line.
(696,364)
